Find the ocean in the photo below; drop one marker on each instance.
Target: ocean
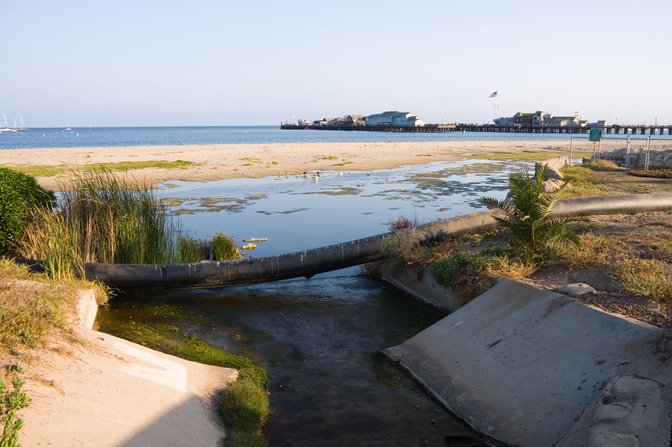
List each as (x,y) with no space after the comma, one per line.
(177,136)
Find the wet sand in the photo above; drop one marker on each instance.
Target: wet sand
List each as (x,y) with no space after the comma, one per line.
(214,162)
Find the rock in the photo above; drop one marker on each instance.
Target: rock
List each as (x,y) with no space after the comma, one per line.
(657,161)
(618,154)
(609,436)
(552,185)
(553,167)
(249,246)
(611,413)
(576,289)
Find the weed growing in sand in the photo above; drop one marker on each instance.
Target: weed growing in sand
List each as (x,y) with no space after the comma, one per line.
(10,403)
(592,250)
(33,308)
(250,161)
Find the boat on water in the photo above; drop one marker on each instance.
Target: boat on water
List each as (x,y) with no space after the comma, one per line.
(6,128)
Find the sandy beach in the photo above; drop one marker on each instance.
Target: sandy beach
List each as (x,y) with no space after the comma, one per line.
(213,162)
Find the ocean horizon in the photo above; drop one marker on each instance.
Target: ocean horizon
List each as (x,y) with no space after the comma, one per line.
(56,137)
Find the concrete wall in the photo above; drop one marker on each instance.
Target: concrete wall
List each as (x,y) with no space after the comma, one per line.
(521,364)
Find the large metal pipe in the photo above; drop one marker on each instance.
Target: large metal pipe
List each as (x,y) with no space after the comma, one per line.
(333,257)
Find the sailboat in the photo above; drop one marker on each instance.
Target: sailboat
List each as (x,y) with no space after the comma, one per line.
(5,128)
(22,125)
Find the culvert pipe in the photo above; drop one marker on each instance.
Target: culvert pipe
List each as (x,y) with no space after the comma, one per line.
(333,257)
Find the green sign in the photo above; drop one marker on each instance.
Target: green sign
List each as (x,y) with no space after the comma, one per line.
(595,135)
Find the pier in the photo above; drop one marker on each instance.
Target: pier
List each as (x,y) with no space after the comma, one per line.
(612,129)
(427,128)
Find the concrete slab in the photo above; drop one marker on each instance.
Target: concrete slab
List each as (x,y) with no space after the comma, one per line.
(105,391)
(420,284)
(521,364)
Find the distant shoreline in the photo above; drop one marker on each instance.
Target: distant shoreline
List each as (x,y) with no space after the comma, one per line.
(224,161)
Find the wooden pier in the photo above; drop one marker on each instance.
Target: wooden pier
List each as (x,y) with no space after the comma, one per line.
(612,129)
(427,128)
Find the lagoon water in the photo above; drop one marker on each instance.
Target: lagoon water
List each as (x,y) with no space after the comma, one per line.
(320,338)
(301,212)
(173,136)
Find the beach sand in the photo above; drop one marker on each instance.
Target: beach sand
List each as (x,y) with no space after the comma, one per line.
(214,162)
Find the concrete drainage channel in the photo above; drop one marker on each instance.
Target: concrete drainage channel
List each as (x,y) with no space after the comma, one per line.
(525,366)
(531,367)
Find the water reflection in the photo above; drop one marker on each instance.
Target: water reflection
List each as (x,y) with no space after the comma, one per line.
(295,212)
(320,341)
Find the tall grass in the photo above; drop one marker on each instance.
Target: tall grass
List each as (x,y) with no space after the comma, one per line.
(104,218)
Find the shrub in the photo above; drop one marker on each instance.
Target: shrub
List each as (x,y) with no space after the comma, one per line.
(527,227)
(192,250)
(466,274)
(446,271)
(402,223)
(10,403)
(224,248)
(20,194)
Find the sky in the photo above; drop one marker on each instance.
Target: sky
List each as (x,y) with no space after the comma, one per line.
(164,62)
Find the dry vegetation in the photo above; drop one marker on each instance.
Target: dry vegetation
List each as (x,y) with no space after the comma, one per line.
(35,311)
(626,258)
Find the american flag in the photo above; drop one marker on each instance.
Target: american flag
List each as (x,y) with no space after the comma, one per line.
(493,94)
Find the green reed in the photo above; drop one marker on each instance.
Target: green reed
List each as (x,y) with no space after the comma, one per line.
(103,218)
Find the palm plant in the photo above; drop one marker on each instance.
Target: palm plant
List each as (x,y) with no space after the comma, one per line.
(527,225)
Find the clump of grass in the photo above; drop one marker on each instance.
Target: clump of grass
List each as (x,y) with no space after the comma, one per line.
(592,250)
(464,273)
(330,157)
(122,166)
(645,278)
(224,248)
(411,249)
(103,219)
(32,308)
(505,267)
(10,403)
(469,275)
(250,161)
(192,250)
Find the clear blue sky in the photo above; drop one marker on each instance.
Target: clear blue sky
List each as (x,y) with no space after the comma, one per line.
(164,62)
